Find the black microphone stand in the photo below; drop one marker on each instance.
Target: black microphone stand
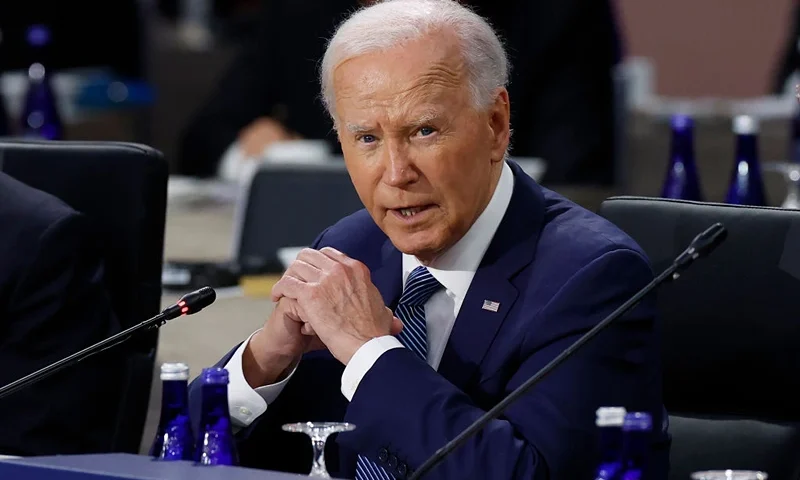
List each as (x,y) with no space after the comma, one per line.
(186,306)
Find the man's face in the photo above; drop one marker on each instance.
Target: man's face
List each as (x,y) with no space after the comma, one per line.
(423,160)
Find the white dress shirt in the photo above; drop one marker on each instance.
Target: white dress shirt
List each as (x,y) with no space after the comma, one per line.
(454,270)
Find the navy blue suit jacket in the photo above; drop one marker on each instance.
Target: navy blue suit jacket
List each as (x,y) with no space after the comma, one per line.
(52,304)
(556,270)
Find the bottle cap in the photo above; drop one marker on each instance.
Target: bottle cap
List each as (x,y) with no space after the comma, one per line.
(38,35)
(214,376)
(745,125)
(174,371)
(610,416)
(681,122)
(639,421)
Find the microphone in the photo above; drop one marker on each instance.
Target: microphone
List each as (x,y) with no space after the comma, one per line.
(702,245)
(188,304)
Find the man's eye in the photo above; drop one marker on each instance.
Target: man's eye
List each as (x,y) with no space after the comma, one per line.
(425,131)
(366,138)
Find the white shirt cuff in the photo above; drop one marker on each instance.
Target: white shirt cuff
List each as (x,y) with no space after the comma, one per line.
(245,403)
(364,358)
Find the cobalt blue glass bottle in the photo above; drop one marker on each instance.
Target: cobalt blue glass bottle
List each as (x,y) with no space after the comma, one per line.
(609,424)
(681,180)
(636,444)
(215,442)
(746,186)
(174,440)
(40,117)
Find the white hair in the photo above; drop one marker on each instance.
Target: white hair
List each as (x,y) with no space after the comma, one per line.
(392,23)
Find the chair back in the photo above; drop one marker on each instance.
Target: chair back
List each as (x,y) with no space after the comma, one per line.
(731,333)
(122,189)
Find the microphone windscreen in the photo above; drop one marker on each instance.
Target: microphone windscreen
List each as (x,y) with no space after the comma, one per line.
(195,301)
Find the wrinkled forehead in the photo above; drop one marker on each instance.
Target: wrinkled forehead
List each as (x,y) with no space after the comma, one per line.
(427,71)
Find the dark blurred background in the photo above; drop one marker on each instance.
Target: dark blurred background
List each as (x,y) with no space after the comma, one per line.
(700,57)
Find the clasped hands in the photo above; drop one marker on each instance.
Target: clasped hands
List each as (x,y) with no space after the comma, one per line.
(325,300)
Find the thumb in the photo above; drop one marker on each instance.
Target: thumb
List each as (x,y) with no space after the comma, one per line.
(275,294)
(397,326)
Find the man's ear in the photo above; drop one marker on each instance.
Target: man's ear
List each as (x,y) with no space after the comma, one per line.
(500,124)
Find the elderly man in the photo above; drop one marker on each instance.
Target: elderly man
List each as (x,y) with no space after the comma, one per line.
(459,280)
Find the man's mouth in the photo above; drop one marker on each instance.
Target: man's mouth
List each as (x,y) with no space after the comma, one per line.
(408,213)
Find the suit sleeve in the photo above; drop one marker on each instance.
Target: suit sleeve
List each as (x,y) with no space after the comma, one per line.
(407,408)
(58,307)
(246,92)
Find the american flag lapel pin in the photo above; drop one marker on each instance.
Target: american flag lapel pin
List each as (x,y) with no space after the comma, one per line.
(491,306)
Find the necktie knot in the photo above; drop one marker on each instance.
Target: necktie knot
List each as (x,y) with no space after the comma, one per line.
(420,286)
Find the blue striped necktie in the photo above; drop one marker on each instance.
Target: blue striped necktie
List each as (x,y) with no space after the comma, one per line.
(420,286)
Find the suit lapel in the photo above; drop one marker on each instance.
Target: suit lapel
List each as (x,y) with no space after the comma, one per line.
(476,327)
(511,249)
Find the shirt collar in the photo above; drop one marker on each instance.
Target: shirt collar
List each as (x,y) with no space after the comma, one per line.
(455,268)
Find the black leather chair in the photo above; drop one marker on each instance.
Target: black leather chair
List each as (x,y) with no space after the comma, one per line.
(283,210)
(731,330)
(123,188)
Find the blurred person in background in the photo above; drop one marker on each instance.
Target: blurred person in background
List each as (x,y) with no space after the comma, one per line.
(53,304)
(563,52)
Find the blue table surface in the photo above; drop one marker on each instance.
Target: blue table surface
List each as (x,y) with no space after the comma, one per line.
(120,466)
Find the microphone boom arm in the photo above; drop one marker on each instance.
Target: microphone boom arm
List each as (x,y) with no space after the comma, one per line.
(189,304)
(76,357)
